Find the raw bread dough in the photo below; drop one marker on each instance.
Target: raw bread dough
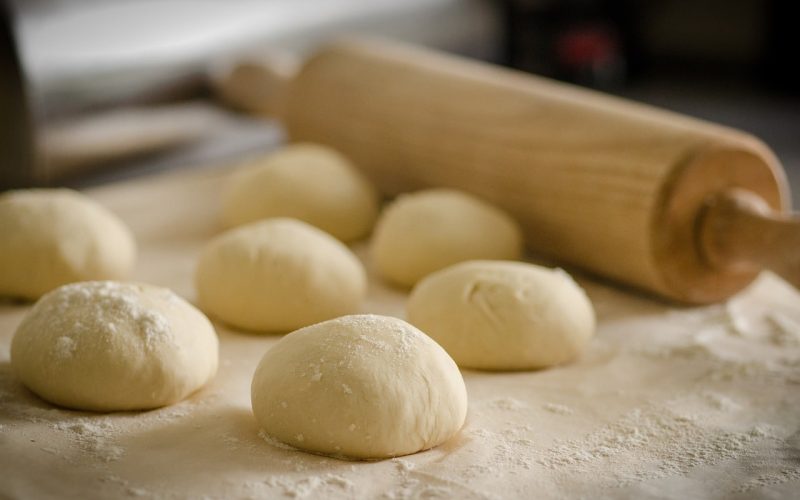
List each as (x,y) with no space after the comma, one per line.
(51,237)
(278,275)
(362,386)
(309,182)
(109,346)
(429,230)
(503,315)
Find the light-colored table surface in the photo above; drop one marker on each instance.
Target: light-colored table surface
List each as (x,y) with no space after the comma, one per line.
(665,403)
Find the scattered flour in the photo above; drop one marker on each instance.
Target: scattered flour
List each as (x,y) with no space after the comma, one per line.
(772,478)
(405,491)
(178,410)
(736,321)
(403,465)
(316,371)
(137,492)
(649,443)
(94,437)
(558,409)
(693,349)
(64,347)
(501,453)
(403,343)
(114,306)
(721,402)
(785,331)
(414,489)
(310,485)
(507,404)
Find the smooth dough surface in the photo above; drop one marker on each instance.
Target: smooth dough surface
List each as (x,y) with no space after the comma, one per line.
(51,237)
(310,182)
(278,275)
(422,232)
(503,315)
(361,386)
(108,346)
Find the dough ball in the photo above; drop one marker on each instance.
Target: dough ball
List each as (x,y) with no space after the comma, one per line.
(361,386)
(109,346)
(278,275)
(503,315)
(429,230)
(309,182)
(51,237)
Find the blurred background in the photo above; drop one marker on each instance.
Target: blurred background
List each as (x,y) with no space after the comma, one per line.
(97,90)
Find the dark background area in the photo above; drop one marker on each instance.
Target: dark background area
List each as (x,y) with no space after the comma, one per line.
(611,43)
(732,62)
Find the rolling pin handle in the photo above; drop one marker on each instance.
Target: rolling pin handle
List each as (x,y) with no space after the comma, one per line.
(256,85)
(739,231)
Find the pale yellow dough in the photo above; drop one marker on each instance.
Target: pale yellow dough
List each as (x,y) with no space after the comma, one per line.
(278,275)
(109,346)
(503,315)
(310,182)
(362,386)
(422,232)
(50,237)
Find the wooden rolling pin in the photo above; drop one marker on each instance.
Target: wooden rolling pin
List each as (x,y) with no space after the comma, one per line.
(677,206)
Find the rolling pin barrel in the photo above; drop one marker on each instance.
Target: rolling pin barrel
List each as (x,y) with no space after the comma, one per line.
(617,188)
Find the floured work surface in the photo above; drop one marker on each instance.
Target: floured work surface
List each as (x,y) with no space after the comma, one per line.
(665,402)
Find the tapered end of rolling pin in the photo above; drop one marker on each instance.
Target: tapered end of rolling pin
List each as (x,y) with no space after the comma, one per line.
(256,84)
(739,231)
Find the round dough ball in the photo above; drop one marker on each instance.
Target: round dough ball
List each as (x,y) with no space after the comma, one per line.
(278,275)
(362,386)
(309,182)
(429,230)
(503,315)
(51,237)
(109,346)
